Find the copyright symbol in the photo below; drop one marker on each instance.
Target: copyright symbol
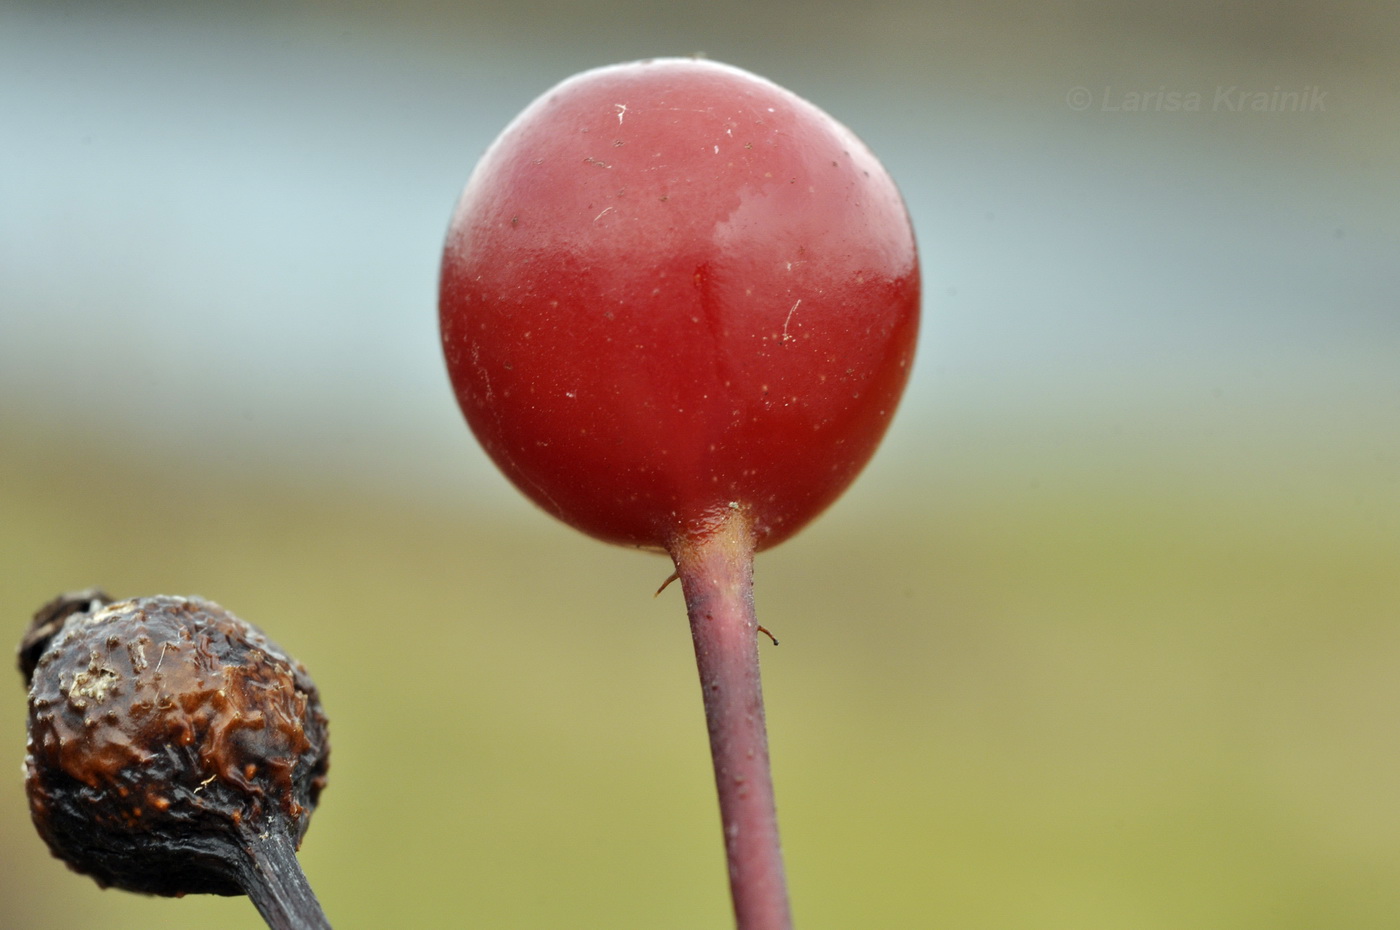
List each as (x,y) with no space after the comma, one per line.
(1079,98)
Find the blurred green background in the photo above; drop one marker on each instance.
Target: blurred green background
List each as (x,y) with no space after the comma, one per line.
(1105,637)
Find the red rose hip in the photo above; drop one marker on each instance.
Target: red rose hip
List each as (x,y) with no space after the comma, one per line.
(671,287)
(679,306)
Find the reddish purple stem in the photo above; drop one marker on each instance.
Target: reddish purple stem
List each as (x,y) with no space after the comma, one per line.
(716,573)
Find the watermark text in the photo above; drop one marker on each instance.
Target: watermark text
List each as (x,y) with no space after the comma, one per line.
(1223,98)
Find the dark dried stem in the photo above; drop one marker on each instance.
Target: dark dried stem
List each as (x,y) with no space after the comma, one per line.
(270,874)
(716,572)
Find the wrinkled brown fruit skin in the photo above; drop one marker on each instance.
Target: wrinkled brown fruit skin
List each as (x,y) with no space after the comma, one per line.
(164,732)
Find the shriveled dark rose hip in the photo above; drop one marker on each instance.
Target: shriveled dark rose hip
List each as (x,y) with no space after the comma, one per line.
(173,748)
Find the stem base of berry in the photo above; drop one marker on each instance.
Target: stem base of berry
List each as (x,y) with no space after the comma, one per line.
(716,574)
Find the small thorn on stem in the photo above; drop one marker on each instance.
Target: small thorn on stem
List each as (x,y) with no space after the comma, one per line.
(765,632)
(667,583)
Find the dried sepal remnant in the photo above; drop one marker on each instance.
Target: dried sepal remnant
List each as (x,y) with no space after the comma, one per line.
(163,732)
(49,619)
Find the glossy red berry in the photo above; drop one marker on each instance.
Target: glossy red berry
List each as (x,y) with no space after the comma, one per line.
(673,289)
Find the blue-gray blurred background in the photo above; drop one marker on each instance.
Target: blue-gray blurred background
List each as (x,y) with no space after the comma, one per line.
(1106,636)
